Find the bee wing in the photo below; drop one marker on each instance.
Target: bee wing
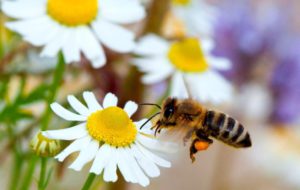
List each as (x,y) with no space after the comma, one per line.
(157,145)
(176,135)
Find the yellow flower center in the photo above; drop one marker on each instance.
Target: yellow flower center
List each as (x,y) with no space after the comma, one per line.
(112,126)
(73,12)
(181,2)
(187,55)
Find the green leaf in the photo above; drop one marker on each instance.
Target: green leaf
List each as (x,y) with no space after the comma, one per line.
(37,94)
(3,87)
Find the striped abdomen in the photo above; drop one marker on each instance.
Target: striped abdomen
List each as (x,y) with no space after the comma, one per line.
(226,129)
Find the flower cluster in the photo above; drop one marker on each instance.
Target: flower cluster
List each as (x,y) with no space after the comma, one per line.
(80,31)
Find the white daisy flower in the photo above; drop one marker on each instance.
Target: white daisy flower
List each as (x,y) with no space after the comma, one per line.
(192,17)
(75,26)
(108,135)
(190,64)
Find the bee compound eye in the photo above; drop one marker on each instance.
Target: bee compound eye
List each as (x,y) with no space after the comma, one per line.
(168,112)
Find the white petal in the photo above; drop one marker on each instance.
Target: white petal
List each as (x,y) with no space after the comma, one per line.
(110,100)
(90,46)
(38,31)
(101,160)
(113,36)
(100,61)
(75,146)
(91,101)
(110,170)
(53,47)
(130,108)
(199,18)
(86,154)
(207,44)
(26,27)
(24,9)
(124,167)
(71,48)
(146,164)
(210,86)
(146,128)
(159,161)
(219,63)
(130,11)
(152,64)
(151,44)
(128,160)
(156,68)
(44,32)
(70,133)
(66,114)
(178,88)
(152,78)
(142,179)
(78,106)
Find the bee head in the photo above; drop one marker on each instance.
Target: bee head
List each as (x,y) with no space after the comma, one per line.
(180,112)
(168,112)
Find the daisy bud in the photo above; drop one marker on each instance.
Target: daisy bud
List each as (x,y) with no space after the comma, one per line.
(44,147)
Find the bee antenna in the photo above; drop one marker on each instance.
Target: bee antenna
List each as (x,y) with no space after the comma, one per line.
(150,118)
(150,104)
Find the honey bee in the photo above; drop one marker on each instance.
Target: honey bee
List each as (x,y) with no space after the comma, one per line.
(200,124)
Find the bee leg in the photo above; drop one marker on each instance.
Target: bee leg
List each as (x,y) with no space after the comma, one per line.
(193,151)
(187,136)
(199,144)
(158,128)
(202,136)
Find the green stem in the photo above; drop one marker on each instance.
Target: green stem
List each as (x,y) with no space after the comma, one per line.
(3,38)
(89,181)
(16,170)
(43,170)
(57,78)
(29,173)
(17,160)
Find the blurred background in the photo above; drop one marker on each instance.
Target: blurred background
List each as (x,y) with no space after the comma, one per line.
(260,37)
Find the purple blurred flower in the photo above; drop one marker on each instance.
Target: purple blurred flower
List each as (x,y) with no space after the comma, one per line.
(248,32)
(244,33)
(285,85)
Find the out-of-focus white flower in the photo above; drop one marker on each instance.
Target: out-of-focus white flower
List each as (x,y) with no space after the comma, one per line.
(110,137)
(191,17)
(75,26)
(145,2)
(187,61)
(32,62)
(278,150)
(256,102)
